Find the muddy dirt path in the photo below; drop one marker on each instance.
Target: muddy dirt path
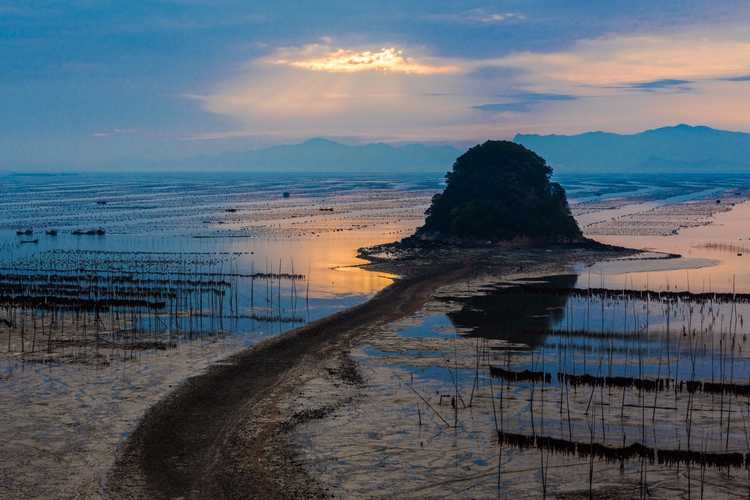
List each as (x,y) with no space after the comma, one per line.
(218,434)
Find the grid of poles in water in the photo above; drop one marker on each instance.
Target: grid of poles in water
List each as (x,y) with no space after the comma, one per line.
(649,382)
(76,304)
(630,375)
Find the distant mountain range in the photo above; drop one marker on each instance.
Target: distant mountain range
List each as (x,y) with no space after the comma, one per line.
(322,155)
(682,148)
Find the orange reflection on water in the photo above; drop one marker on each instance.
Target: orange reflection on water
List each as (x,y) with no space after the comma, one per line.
(715,257)
(329,262)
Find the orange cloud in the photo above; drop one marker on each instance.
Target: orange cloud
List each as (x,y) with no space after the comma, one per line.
(619,60)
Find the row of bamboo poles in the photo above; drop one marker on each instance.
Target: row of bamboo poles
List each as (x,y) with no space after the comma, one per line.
(669,376)
(140,300)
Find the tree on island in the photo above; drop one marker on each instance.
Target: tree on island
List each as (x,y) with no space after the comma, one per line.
(499,191)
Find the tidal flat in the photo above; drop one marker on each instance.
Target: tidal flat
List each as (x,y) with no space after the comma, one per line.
(565,377)
(95,329)
(435,393)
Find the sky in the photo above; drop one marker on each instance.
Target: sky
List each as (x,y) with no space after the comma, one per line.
(112,83)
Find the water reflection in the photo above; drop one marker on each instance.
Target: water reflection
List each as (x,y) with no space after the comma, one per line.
(673,334)
(507,312)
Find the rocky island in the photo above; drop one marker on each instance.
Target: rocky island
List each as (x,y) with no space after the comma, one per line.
(500,191)
(498,194)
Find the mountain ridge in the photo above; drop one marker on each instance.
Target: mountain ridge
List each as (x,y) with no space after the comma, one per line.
(324,155)
(682,147)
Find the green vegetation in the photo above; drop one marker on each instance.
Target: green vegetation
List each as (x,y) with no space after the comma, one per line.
(500,191)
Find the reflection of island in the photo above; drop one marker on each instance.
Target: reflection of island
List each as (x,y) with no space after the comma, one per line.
(510,313)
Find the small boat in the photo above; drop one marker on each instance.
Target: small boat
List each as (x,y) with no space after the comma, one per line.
(286,194)
(52,232)
(101,202)
(24,232)
(33,242)
(89,232)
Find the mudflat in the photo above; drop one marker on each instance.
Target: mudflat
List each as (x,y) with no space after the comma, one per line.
(216,435)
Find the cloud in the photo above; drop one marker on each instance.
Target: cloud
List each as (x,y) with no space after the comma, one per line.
(650,61)
(196,23)
(523,102)
(667,84)
(505,107)
(338,90)
(387,60)
(477,16)
(114,132)
(495,18)
(487,71)
(302,91)
(541,96)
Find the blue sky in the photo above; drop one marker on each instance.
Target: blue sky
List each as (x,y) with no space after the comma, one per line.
(112,83)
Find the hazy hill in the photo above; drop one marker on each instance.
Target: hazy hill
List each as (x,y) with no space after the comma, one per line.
(681,148)
(323,155)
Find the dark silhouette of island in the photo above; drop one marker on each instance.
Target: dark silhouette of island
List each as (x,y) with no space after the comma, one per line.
(500,191)
(679,149)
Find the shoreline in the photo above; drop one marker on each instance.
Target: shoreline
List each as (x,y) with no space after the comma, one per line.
(215,435)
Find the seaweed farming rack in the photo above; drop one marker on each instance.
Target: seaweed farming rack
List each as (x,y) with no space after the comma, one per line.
(82,301)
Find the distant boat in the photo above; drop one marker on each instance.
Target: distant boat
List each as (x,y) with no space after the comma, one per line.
(88,232)
(29,241)
(101,202)
(286,194)
(24,232)
(52,232)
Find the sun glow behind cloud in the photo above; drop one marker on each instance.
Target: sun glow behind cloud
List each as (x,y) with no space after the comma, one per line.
(338,90)
(388,60)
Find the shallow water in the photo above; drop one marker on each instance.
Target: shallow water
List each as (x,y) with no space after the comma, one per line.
(188,213)
(69,407)
(723,245)
(429,420)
